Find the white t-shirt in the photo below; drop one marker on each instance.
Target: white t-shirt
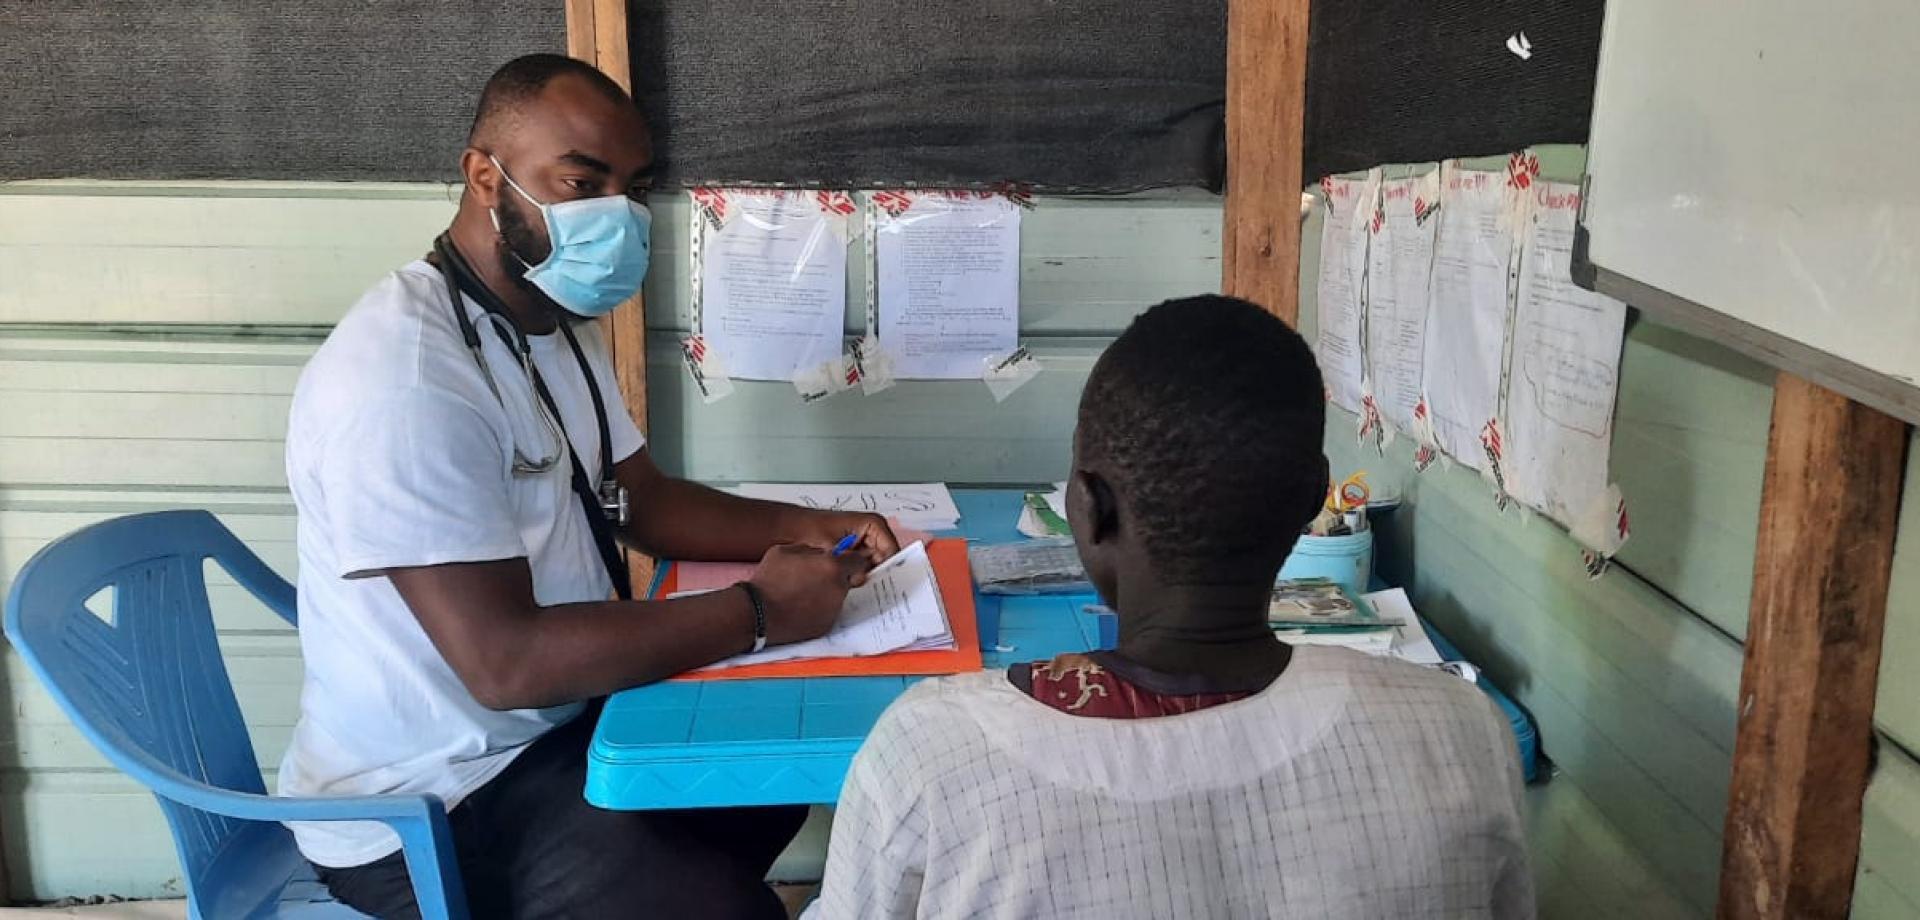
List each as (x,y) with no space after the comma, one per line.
(399,455)
(1352,787)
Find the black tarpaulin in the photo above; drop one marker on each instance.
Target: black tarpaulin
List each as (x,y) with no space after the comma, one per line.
(1068,95)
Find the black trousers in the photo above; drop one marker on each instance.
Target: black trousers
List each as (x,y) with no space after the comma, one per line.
(530,846)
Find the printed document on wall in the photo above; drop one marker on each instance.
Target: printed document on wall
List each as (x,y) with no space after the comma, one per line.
(1400,262)
(1343,272)
(1470,305)
(1566,368)
(948,281)
(771,278)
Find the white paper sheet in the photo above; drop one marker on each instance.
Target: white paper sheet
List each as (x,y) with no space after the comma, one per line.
(1470,305)
(773,283)
(1410,643)
(1343,266)
(1400,260)
(898,609)
(925,506)
(1565,368)
(948,270)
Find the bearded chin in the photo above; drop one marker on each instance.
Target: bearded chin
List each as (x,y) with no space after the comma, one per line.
(516,233)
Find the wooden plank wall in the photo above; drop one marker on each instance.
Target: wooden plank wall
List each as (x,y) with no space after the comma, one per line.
(101,414)
(1634,678)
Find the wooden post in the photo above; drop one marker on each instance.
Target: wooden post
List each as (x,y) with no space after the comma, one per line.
(597,34)
(1266,132)
(1827,521)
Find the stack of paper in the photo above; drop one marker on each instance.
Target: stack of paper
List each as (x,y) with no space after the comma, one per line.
(1411,643)
(919,506)
(1313,611)
(1044,566)
(897,610)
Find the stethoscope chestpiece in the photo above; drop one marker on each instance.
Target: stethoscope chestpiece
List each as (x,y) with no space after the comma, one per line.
(614,502)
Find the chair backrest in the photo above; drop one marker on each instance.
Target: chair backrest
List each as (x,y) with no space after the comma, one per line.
(143,677)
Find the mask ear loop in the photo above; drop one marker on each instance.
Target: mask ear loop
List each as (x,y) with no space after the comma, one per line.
(494,213)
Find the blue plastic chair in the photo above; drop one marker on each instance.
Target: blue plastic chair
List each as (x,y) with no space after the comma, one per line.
(149,689)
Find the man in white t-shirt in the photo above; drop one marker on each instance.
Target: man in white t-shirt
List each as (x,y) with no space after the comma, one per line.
(1202,768)
(460,465)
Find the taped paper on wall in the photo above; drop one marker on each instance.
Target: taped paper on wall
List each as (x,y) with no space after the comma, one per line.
(1471,302)
(1343,272)
(947,267)
(1399,269)
(826,379)
(772,277)
(1601,528)
(708,369)
(1009,372)
(1564,370)
(873,364)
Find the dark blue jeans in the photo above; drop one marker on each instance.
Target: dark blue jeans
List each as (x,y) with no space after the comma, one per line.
(530,846)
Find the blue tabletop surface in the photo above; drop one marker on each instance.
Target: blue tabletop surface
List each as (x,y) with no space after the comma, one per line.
(790,741)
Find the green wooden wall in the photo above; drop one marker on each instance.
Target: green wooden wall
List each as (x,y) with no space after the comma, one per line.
(1633,677)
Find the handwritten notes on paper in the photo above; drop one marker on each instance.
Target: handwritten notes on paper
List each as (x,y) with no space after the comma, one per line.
(1565,367)
(1343,273)
(948,281)
(897,610)
(772,279)
(922,506)
(1469,308)
(1399,264)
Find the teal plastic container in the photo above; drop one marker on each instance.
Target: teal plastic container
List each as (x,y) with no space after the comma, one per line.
(1346,560)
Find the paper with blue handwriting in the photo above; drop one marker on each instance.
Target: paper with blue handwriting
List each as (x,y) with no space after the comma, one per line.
(773,281)
(922,506)
(1565,368)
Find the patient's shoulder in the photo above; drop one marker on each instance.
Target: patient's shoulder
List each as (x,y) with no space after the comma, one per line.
(936,725)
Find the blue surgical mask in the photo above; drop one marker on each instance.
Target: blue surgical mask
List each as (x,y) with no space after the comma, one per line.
(599,254)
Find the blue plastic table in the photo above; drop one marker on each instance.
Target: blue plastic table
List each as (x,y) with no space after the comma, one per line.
(790,741)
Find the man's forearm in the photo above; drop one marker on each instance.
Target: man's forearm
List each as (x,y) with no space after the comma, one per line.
(678,519)
(581,651)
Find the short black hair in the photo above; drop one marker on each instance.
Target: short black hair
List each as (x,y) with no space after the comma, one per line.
(521,80)
(1207,415)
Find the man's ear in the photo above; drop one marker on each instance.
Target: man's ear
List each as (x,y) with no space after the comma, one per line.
(1103,506)
(483,178)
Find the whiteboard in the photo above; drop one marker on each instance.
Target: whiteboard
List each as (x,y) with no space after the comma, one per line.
(1751,177)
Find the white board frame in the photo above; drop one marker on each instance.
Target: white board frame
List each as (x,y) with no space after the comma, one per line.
(1786,145)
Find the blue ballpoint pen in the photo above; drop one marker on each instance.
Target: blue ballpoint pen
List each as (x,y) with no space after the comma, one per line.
(846,543)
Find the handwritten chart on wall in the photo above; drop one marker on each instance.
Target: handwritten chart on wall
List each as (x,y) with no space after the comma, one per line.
(1469,317)
(1564,371)
(1748,181)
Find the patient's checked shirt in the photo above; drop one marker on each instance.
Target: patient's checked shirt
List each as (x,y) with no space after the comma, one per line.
(1350,787)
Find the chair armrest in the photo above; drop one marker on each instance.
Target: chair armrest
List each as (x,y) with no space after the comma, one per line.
(420,820)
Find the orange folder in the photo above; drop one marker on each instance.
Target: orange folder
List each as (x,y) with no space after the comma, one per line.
(955,577)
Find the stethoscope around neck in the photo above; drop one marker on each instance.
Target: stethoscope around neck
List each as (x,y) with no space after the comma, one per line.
(461,278)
